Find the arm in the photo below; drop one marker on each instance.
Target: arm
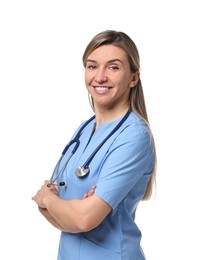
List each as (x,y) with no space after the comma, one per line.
(46,214)
(71,215)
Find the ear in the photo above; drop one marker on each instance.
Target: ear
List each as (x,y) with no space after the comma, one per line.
(134,79)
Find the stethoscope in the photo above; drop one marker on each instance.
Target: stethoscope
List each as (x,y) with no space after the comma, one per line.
(83,170)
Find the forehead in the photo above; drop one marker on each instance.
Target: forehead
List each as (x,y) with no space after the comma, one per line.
(107,53)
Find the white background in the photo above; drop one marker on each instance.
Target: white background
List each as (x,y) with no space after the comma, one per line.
(43,99)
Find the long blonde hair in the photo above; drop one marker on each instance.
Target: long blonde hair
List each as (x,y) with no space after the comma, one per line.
(137,101)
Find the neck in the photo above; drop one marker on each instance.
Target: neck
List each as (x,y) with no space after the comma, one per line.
(109,115)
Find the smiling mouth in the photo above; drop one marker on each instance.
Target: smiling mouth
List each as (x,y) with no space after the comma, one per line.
(102,88)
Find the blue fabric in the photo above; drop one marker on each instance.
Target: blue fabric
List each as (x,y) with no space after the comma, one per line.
(120,170)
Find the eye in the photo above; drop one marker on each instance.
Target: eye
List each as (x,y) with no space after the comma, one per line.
(91,66)
(114,67)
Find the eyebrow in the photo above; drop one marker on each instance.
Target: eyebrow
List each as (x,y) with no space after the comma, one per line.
(109,61)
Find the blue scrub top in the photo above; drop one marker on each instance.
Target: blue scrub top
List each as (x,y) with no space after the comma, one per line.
(120,170)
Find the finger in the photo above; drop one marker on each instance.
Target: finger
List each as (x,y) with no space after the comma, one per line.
(85,196)
(92,190)
(46,181)
(93,187)
(90,193)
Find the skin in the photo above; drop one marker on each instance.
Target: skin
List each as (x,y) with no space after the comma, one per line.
(108,80)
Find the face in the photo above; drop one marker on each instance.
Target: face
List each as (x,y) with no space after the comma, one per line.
(108,77)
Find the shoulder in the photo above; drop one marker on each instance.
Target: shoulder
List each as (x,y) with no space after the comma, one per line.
(85,124)
(135,120)
(135,132)
(136,126)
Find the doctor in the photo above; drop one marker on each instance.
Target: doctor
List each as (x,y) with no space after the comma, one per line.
(96,212)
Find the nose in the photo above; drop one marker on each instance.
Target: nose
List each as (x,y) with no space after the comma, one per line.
(101,76)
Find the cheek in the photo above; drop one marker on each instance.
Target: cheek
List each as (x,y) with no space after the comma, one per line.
(88,79)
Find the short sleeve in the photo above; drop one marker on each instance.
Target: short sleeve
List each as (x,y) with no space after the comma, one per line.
(130,157)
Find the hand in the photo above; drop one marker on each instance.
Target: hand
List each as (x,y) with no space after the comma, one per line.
(90,193)
(45,192)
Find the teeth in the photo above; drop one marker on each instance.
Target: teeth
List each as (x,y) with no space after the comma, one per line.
(101,88)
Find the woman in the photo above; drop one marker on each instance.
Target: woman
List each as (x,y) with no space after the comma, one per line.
(121,172)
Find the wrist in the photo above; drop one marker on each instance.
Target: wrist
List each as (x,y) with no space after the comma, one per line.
(49,200)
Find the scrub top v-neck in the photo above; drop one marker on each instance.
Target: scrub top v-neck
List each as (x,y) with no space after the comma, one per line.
(120,170)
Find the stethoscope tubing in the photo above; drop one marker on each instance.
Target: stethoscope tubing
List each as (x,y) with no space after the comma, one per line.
(84,169)
(88,161)
(52,181)
(74,140)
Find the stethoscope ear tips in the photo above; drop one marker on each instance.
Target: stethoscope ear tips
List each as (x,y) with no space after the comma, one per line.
(51,183)
(82,171)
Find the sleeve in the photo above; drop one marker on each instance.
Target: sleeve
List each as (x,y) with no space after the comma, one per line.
(130,158)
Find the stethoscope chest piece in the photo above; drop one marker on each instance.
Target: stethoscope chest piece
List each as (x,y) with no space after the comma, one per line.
(82,171)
